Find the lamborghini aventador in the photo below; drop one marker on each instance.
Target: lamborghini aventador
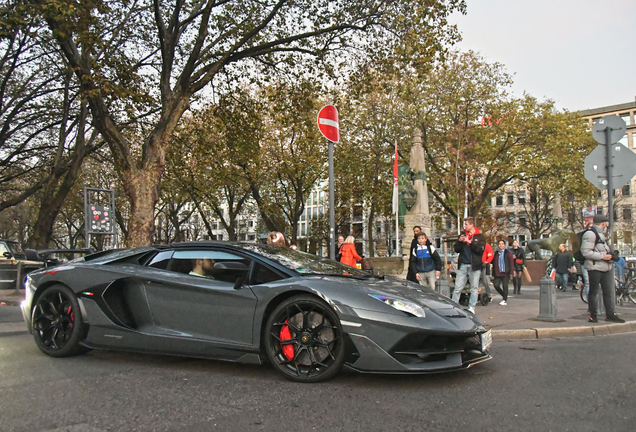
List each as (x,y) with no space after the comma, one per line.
(244,302)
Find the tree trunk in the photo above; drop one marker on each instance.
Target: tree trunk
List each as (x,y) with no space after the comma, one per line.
(142,189)
(370,229)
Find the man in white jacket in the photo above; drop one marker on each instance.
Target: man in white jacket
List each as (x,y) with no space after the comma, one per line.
(600,267)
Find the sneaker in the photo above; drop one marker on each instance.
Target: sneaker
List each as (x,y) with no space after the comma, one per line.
(592,319)
(471,310)
(503,303)
(614,318)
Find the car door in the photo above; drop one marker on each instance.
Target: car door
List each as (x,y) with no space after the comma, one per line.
(205,307)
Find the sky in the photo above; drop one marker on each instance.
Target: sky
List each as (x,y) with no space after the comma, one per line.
(579,53)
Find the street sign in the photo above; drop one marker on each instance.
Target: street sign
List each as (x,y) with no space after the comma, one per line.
(623,166)
(616,125)
(328,123)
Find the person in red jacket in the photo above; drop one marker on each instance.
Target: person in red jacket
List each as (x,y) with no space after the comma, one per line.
(486,259)
(349,254)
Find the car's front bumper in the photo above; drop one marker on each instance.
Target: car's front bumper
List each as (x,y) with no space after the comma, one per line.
(384,343)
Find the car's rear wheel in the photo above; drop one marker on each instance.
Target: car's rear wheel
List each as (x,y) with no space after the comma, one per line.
(304,339)
(57,322)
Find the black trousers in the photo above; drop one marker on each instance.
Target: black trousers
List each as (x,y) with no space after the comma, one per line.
(502,280)
(606,281)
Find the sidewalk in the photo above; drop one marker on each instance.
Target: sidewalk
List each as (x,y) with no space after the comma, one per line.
(517,320)
(9,298)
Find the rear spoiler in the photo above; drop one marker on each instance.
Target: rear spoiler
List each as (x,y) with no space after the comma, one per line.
(41,254)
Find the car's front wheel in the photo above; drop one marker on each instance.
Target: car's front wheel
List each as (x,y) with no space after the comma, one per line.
(57,322)
(304,339)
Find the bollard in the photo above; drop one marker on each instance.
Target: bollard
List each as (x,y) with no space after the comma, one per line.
(547,301)
(19,277)
(442,287)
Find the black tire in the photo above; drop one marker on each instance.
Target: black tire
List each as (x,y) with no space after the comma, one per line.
(631,291)
(583,294)
(315,335)
(57,323)
(483,299)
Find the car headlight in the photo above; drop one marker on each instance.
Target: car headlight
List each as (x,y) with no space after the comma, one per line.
(402,305)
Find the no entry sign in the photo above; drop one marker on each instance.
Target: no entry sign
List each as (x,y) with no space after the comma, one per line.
(328,123)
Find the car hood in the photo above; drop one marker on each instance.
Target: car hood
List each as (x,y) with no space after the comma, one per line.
(398,288)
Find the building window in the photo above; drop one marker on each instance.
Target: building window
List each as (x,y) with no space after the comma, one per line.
(625,117)
(627,213)
(523,220)
(251,237)
(499,200)
(511,219)
(511,199)
(599,210)
(626,190)
(522,198)
(624,141)
(449,223)
(242,237)
(215,225)
(522,240)
(250,224)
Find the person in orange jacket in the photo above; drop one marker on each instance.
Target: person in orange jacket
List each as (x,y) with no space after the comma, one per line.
(349,254)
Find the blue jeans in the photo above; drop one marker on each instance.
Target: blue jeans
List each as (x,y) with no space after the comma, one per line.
(464,274)
(586,280)
(563,278)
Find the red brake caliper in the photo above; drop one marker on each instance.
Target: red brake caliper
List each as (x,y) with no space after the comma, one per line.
(285,334)
(71,316)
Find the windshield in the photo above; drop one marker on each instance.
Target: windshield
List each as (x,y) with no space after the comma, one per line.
(16,249)
(302,262)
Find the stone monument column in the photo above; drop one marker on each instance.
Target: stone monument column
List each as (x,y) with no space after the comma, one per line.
(419,213)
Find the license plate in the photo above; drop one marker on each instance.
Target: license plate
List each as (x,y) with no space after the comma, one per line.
(486,340)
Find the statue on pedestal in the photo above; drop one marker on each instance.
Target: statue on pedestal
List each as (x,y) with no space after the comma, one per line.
(415,197)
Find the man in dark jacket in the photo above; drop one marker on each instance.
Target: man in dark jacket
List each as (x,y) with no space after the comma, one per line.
(411,274)
(562,262)
(470,247)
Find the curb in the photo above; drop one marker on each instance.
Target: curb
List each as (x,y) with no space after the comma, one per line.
(563,332)
(11,301)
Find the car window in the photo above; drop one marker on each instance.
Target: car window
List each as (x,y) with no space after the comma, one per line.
(3,249)
(262,274)
(216,265)
(16,249)
(302,262)
(161,260)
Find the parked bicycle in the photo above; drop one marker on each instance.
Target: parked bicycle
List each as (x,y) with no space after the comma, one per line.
(625,291)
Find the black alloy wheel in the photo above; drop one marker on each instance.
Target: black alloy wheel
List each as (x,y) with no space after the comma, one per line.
(57,322)
(304,339)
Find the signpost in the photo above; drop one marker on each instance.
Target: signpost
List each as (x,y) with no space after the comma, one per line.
(330,128)
(610,165)
(99,213)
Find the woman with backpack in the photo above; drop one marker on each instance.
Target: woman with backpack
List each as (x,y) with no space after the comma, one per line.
(503,265)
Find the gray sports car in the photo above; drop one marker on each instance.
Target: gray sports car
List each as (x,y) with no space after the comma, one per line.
(251,303)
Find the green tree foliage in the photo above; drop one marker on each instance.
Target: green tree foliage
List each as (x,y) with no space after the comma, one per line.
(472,128)
(140,63)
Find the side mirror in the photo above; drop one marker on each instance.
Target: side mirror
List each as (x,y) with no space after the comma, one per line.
(7,255)
(239,282)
